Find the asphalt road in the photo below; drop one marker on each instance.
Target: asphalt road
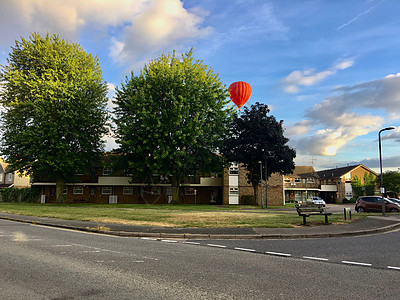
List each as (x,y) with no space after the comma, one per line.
(47,263)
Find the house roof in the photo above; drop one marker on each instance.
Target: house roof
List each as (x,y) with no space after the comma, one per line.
(304,171)
(338,172)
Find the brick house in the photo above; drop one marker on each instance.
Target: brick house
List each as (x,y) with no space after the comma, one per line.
(9,178)
(335,184)
(301,184)
(103,185)
(236,189)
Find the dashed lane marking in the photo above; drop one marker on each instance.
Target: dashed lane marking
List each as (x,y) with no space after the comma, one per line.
(356,263)
(393,268)
(245,249)
(217,246)
(278,254)
(315,258)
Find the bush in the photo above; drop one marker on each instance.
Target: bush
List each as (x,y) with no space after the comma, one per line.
(351,200)
(12,194)
(247,200)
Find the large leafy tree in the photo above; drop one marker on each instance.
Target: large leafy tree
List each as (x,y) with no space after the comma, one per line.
(53,99)
(391,181)
(257,137)
(171,119)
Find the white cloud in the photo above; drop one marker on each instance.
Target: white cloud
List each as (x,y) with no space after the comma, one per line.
(351,112)
(310,77)
(135,29)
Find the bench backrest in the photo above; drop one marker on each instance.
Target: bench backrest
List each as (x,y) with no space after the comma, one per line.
(310,208)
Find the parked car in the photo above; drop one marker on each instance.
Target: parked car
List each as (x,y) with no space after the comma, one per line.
(395,200)
(374,203)
(316,200)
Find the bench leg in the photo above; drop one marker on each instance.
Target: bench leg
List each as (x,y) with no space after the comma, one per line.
(326,219)
(304,220)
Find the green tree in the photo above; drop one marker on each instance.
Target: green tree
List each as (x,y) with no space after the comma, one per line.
(369,183)
(357,186)
(391,181)
(171,119)
(53,118)
(258,137)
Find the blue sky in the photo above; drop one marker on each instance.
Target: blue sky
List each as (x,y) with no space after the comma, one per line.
(329,69)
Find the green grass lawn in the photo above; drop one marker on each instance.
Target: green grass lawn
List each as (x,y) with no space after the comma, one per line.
(170,215)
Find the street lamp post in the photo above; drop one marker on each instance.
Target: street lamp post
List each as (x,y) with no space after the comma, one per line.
(380,164)
(261,178)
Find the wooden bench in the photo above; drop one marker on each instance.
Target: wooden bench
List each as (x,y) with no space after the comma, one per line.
(309,209)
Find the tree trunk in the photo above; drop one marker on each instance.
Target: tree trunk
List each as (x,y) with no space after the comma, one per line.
(175,186)
(59,191)
(255,187)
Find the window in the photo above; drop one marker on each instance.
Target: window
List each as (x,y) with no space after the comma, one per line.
(65,190)
(107,171)
(233,191)
(78,190)
(310,180)
(10,176)
(190,191)
(297,180)
(106,190)
(287,180)
(1,177)
(128,190)
(304,180)
(234,169)
(156,191)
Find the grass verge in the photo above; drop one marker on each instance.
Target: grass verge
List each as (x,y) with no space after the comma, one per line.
(201,216)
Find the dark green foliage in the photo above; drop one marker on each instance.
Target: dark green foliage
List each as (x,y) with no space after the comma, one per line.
(54,113)
(257,137)
(391,181)
(357,186)
(12,194)
(172,119)
(369,184)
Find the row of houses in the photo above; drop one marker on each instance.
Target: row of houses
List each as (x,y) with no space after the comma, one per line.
(230,187)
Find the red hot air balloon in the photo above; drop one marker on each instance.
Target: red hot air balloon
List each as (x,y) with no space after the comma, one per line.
(240,92)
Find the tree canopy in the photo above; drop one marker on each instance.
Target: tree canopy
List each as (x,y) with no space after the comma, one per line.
(171,119)
(53,117)
(391,181)
(259,137)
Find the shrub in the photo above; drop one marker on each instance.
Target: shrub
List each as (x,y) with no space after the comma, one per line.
(247,200)
(12,194)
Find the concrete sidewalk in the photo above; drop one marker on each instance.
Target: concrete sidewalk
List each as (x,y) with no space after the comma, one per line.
(370,225)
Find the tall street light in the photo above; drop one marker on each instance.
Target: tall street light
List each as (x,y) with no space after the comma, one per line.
(380,163)
(261,182)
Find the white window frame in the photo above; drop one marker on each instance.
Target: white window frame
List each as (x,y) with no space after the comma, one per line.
(65,190)
(106,190)
(233,191)
(10,176)
(127,190)
(190,191)
(234,169)
(297,180)
(310,180)
(107,171)
(156,190)
(287,180)
(78,190)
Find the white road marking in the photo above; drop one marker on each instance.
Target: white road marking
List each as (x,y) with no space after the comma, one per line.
(214,245)
(169,241)
(245,249)
(192,243)
(315,258)
(279,254)
(149,239)
(356,263)
(393,268)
